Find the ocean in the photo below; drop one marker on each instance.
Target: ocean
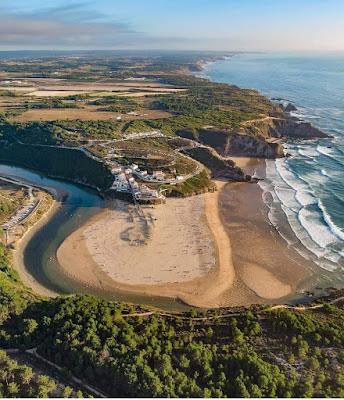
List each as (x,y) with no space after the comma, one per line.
(306,189)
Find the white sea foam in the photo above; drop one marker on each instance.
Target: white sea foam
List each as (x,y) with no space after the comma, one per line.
(288,176)
(327,151)
(305,198)
(319,233)
(293,195)
(287,197)
(308,152)
(329,221)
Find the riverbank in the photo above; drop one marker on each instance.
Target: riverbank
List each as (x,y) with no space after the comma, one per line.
(20,245)
(171,253)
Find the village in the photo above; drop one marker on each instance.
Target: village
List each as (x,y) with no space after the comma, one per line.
(131,179)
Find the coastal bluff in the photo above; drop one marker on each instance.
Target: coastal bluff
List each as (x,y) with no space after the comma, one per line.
(258,138)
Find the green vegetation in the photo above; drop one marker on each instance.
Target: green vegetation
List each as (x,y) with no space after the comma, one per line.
(8,93)
(197,184)
(58,132)
(50,103)
(116,104)
(80,130)
(57,162)
(138,125)
(14,297)
(161,356)
(18,380)
(217,165)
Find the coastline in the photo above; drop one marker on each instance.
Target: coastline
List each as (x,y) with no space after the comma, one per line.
(234,281)
(267,268)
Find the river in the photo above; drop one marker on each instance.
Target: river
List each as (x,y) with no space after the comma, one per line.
(77,205)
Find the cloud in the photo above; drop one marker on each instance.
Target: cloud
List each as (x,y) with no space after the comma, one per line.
(76,26)
(71,26)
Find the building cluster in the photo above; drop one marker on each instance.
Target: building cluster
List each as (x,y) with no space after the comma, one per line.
(21,215)
(125,183)
(155,177)
(138,135)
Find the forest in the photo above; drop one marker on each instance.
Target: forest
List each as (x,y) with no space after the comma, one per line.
(256,352)
(134,350)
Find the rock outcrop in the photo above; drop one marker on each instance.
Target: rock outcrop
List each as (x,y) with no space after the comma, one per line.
(235,144)
(219,166)
(290,107)
(252,146)
(282,128)
(253,138)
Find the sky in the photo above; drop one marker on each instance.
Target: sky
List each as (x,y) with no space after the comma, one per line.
(230,25)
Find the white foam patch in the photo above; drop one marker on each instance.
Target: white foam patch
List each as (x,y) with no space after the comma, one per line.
(319,233)
(327,151)
(308,152)
(329,221)
(305,198)
(284,189)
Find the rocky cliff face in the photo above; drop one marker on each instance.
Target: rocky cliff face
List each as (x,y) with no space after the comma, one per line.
(219,166)
(235,144)
(282,128)
(252,138)
(252,146)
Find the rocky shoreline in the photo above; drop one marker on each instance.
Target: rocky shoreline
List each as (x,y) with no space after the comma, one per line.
(254,138)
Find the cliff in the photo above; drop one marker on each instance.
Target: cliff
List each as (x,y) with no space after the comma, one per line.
(219,167)
(253,138)
(252,146)
(281,127)
(234,144)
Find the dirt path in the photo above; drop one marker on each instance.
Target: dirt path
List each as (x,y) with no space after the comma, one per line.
(230,314)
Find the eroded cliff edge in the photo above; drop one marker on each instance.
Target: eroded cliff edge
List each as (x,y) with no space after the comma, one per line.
(260,138)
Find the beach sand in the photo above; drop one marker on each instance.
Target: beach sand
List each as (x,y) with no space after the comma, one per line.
(212,250)
(267,270)
(166,243)
(183,253)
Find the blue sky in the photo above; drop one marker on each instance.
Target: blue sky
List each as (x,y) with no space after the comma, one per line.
(313,25)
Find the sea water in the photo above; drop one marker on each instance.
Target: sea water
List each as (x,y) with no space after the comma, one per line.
(306,189)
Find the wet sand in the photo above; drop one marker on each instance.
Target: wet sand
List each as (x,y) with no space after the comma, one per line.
(172,258)
(195,242)
(267,270)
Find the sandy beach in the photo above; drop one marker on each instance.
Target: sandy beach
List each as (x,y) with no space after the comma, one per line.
(166,243)
(212,250)
(179,250)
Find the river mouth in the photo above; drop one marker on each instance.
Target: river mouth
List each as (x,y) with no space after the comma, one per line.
(75,206)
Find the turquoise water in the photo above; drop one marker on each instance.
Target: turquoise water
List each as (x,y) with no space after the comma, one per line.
(306,189)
